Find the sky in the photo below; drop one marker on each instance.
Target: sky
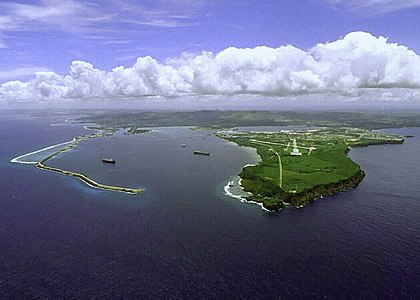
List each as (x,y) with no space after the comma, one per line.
(82,49)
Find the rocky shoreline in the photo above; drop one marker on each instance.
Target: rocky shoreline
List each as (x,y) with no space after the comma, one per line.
(302,198)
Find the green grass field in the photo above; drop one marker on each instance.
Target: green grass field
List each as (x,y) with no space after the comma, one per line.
(323,159)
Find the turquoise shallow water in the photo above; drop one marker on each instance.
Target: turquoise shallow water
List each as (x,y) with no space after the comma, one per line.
(183,237)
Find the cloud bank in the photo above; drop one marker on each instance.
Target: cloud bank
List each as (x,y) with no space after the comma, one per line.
(357,62)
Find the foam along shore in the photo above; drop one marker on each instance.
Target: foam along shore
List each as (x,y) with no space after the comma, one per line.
(237,183)
(20,159)
(325,172)
(66,146)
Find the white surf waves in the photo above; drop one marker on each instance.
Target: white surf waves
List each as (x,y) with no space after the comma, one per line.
(21,159)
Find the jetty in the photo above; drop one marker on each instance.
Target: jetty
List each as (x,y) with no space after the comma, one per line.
(89,181)
(41,165)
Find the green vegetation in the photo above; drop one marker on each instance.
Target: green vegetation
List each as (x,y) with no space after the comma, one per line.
(281,179)
(299,167)
(228,119)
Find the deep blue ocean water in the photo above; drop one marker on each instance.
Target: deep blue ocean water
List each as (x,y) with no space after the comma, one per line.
(183,238)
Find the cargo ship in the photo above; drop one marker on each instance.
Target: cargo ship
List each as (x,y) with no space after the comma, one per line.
(108,160)
(201,152)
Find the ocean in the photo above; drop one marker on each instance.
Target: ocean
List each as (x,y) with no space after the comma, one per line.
(183,237)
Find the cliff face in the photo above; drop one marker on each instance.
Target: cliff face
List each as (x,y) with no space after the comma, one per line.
(304,197)
(309,195)
(274,198)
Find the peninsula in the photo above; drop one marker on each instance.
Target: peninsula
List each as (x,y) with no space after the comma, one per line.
(298,167)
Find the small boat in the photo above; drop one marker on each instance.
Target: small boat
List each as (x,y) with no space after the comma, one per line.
(108,160)
(183,145)
(201,152)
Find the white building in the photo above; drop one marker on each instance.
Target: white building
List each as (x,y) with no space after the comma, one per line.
(295,151)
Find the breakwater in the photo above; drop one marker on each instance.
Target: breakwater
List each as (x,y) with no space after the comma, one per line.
(69,146)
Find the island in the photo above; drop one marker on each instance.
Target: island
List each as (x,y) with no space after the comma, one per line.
(297,166)
(300,166)
(305,161)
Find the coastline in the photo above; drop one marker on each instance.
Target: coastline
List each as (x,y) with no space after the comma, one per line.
(240,198)
(301,199)
(90,182)
(19,158)
(67,146)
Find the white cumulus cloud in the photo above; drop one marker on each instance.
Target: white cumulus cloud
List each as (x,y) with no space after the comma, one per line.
(357,62)
(18,72)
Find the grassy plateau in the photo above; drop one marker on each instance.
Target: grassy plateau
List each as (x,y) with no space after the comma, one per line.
(298,167)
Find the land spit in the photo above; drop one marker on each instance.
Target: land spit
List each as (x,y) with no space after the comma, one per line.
(41,165)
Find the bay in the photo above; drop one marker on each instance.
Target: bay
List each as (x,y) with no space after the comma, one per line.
(182,237)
